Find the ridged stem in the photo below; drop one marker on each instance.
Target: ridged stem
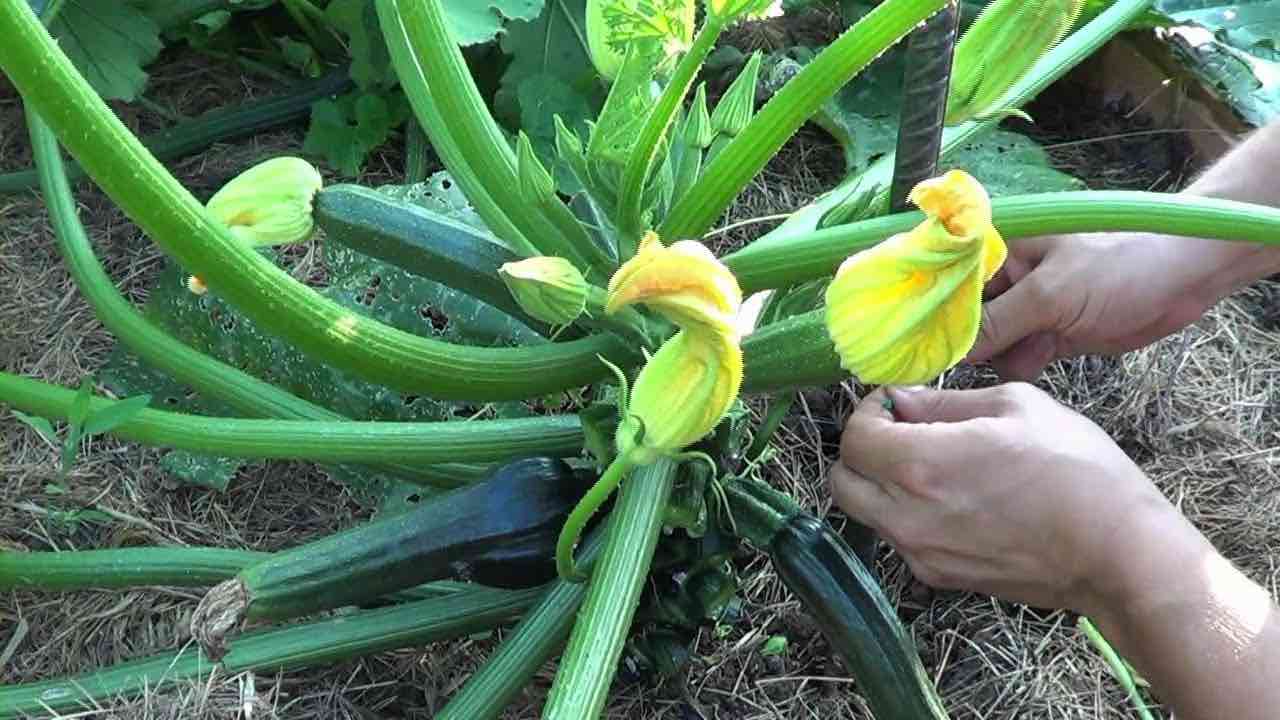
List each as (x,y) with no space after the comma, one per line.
(640,161)
(590,662)
(210,377)
(817,253)
(528,647)
(779,119)
(828,209)
(316,643)
(353,442)
(122,568)
(421,27)
(149,195)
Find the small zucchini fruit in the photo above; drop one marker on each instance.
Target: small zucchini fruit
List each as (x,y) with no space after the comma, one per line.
(500,531)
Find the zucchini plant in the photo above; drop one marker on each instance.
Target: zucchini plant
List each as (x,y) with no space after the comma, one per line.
(633,324)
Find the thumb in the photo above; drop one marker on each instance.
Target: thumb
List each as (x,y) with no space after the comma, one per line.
(1007,320)
(924,405)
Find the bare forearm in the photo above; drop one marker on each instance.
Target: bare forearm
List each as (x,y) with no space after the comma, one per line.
(1204,635)
(1248,174)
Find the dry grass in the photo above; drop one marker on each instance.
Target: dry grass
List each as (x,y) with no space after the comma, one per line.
(1197,411)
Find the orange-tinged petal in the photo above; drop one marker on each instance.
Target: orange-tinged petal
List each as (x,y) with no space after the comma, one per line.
(685,282)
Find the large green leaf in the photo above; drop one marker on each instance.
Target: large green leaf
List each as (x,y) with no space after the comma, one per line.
(550,75)
(1241,59)
(1011,164)
(110,42)
(479,21)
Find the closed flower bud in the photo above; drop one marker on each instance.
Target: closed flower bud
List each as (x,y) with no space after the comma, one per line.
(691,382)
(738,103)
(550,289)
(999,48)
(270,203)
(698,131)
(908,309)
(536,184)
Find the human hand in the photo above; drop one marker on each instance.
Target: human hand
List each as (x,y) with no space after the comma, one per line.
(1059,297)
(1001,491)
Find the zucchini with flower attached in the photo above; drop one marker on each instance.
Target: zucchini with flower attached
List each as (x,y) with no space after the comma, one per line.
(501,531)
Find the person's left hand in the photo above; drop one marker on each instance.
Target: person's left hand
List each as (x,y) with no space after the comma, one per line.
(1002,491)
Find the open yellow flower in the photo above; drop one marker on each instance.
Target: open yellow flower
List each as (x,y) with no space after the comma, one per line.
(690,383)
(909,308)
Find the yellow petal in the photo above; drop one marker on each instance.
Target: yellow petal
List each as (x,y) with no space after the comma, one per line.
(681,394)
(270,203)
(908,309)
(684,282)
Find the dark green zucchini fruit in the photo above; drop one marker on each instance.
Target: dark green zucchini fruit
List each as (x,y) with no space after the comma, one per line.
(500,531)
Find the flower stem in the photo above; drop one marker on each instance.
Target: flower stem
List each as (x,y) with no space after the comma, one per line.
(582,514)
(354,442)
(148,194)
(590,662)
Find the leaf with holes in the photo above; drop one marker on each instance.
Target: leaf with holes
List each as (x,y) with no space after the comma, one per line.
(360,283)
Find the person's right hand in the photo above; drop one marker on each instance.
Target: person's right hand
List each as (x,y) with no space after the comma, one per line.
(1060,297)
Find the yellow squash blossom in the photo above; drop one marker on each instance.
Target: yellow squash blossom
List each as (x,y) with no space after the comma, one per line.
(268,204)
(908,309)
(690,383)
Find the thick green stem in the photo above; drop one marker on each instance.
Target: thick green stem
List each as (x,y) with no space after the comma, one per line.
(421,27)
(122,568)
(528,647)
(817,253)
(656,126)
(212,378)
(265,293)
(326,641)
(590,662)
(779,119)
(582,514)
(827,210)
(354,442)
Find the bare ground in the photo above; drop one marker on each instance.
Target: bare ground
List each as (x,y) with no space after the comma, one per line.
(1197,411)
